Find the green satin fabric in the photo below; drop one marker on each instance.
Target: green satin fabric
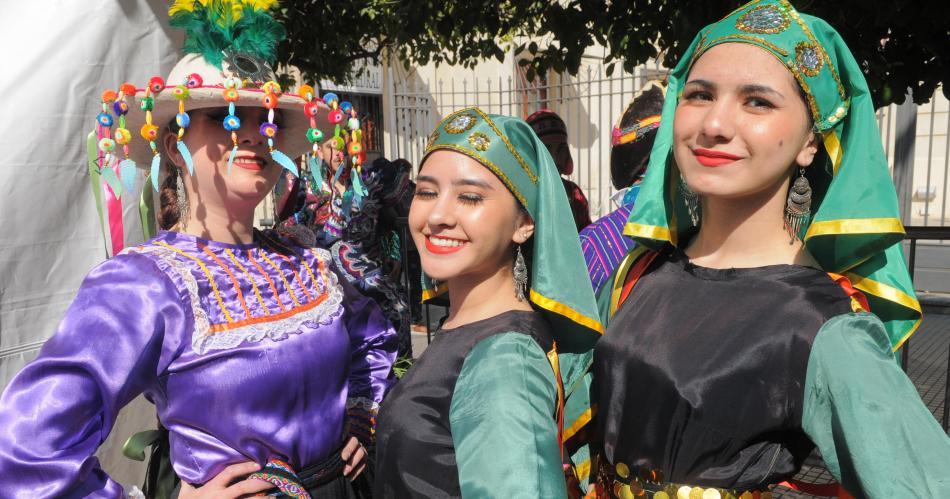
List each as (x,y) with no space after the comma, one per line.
(864,414)
(855,226)
(502,421)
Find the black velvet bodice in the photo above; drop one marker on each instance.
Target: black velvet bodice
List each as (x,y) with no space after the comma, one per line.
(701,372)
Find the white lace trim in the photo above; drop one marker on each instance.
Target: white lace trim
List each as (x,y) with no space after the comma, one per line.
(202,340)
(363,403)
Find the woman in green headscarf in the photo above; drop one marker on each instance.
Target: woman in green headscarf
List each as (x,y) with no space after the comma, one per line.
(479,414)
(760,318)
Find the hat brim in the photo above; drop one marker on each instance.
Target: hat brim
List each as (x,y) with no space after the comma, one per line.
(291,137)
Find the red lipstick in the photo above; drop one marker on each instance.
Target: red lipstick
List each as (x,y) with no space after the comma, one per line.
(254,163)
(708,157)
(443,250)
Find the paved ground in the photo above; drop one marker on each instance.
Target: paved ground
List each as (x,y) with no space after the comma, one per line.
(929,351)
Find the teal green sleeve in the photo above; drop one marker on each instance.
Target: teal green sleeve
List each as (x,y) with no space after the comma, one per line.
(864,414)
(502,420)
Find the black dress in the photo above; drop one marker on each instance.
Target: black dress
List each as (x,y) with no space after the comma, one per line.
(700,377)
(416,449)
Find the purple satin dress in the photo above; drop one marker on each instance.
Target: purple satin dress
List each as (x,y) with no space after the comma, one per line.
(249,352)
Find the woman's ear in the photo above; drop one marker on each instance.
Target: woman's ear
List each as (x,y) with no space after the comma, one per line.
(171,150)
(809,150)
(524,230)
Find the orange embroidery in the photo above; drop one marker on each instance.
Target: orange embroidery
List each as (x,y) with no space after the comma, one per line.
(217,328)
(269,281)
(234,281)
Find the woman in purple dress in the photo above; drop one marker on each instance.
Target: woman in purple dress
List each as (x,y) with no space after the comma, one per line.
(258,358)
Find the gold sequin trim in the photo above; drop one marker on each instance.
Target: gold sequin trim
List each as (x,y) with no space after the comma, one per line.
(754,39)
(488,164)
(460,122)
(479,141)
(763,19)
(809,58)
(821,50)
(812,104)
(511,148)
(433,137)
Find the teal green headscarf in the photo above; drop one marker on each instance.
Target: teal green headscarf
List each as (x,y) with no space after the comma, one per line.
(855,229)
(560,286)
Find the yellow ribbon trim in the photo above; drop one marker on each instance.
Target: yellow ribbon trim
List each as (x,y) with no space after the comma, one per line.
(207,273)
(647,232)
(428,294)
(621,276)
(260,299)
(855,226)
(562,309)
(583,470)
(888,293)
(913,329)
(579,423)
(833,146)
(293,296)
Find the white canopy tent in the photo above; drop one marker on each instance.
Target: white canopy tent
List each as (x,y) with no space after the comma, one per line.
(57,58)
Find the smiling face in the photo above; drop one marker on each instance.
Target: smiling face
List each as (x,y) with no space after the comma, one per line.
(254,173)
(463,219)
(741,124)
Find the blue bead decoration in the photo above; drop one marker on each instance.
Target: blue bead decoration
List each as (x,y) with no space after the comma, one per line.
(183,120)
(104,119)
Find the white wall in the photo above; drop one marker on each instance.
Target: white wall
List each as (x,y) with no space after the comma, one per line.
(57,58)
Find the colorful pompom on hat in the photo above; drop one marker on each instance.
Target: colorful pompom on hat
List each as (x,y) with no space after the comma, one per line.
(228,47)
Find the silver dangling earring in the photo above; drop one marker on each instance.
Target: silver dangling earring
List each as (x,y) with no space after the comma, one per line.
(692,201)
(182,203)
(521,275)
(798,206)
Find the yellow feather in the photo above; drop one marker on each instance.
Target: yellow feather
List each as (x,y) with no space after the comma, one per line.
(181,5)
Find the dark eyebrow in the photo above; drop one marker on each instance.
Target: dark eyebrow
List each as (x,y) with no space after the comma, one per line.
(708,85)
(474,182)
(760,89)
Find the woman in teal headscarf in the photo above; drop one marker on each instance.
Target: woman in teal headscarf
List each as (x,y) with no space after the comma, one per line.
(760,317)
(479,414)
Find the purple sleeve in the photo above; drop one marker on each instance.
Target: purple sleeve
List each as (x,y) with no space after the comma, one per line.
(373,346)
(56,412)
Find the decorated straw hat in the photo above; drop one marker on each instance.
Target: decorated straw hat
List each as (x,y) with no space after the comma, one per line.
(228,44)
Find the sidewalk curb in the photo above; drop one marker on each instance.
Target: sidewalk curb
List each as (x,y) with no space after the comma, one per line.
(934,303)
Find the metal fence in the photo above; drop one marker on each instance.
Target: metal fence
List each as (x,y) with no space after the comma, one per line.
(591,103)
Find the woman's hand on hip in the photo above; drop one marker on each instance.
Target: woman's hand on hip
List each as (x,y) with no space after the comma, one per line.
(229,484)
(354,455)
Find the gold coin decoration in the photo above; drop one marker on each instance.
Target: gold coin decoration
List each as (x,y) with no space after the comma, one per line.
(623,470)
(626,493)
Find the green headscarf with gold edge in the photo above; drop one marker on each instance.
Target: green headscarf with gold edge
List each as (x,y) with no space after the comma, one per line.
(855,229)
(560,286)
